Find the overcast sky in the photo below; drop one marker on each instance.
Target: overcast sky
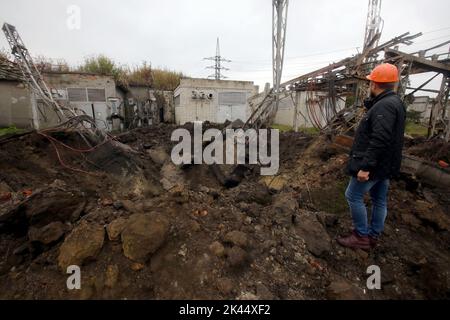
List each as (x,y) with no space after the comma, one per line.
(178,33)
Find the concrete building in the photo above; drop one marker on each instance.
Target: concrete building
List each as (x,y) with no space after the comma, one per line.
(92,94)
(15,104)
(423,105)
(212,100)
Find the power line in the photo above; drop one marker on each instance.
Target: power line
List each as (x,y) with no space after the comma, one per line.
(218,59)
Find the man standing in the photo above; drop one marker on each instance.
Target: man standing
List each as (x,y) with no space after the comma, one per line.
(375,157)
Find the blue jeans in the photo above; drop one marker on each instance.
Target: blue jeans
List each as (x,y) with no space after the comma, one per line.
(378,190)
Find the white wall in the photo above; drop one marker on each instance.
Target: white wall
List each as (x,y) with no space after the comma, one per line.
(188,109)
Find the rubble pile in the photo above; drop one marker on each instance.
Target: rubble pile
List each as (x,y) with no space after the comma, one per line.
(140,227)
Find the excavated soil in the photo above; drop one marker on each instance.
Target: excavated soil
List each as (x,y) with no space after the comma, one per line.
(141,228)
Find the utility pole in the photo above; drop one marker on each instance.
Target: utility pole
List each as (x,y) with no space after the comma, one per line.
(279,22)
(218,59)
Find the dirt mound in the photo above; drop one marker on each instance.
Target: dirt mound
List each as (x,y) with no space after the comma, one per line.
(141,228)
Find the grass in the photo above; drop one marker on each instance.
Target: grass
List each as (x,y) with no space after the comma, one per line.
(286,128)
(10,130)
(415,129)
(282,127)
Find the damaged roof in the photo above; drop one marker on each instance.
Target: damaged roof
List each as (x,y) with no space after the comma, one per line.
(9,70)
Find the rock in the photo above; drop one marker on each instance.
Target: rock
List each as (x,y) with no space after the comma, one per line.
(327,219)
(343,290)
(171,176)
(46,206)
(47,234)
(312,231)
(276,183)
(236,256)
(225,286)
(285,208)
(217,249)
(115,228)
(263,292)
(58,184)
(137,266)
(237,238)
(106,202)
(130,206)
(143,235)
(84,242)
(247,296)
(158,155)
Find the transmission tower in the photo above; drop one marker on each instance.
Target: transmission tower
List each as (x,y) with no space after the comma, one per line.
(29,70)
(374,25)
(218,59)
(279,22)
(267,109)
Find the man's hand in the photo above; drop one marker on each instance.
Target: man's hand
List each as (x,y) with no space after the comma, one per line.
(363,176)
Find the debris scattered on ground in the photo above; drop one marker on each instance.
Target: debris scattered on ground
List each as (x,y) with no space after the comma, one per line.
(142,228)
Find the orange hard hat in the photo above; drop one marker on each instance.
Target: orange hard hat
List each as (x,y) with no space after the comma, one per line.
(384,72)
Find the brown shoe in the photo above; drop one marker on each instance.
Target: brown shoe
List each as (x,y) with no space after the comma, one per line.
(355,241)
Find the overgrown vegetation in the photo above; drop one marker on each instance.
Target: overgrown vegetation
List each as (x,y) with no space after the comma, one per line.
(144,74)
(45,63)
(415,129)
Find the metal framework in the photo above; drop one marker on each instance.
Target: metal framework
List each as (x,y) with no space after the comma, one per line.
(374,25)
(35,81)
(279,23)
(338,80)
(31,74)
(267,109)
(218,59)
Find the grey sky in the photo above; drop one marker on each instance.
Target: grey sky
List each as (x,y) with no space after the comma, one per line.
(178,33)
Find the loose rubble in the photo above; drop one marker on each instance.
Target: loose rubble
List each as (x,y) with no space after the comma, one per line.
(140,227)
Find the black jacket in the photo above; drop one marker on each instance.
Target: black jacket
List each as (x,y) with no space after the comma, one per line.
(378,142)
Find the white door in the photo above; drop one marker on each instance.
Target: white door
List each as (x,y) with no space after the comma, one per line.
(224,113)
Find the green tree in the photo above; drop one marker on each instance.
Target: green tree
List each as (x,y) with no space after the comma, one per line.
(413,116)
